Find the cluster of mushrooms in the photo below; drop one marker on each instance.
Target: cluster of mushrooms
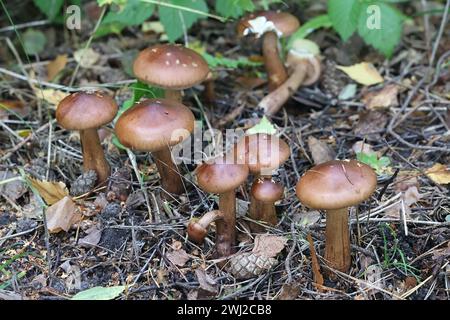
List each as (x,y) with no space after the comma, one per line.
(156,125)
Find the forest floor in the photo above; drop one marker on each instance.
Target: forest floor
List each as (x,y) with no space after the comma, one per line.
(400,237)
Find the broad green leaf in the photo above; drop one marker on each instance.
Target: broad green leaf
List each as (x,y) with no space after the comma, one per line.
(380,165)
(344,15)
(312,25)
(234,8)
(99,293)
(33,41)
(51,8)
(264,126)
(176,20)
(380,25)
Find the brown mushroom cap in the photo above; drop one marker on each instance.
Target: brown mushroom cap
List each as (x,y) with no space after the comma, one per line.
(196,232)
(85,110)
(285,22)
(170,66)
(261,151)
(221,176)
(154,124)
(267,190)
(336,184)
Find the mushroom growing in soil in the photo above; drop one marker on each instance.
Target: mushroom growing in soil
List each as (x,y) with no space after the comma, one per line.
(223,176)
(197,229)
(154,125)
(263,153)
(305,69)
(266,192)
(171,67)
(272,26)
(86,112)
(335,186)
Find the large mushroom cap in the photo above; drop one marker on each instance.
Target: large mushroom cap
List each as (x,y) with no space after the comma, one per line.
(284,22)
(170,66)
(267,190)
(221,176)
(336,184)
(154,124)
(261,152)
(85,110)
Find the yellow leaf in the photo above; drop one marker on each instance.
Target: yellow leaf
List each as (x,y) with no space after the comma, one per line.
(86,57)
(52,96)
(363,73)
(56,66)
(439,173)
(50,191)
(24,132)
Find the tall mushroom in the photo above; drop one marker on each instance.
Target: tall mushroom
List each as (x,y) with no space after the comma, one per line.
(335,186)
(263,153)
(305,69)
(272,26)
(86,112)
(223,177)
(154,125)
(171,67)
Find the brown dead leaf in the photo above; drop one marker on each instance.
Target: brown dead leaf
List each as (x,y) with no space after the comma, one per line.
(62,215)
(50,191)
(56,66)
(13,107)
(92,237)
(289,291)
(318,277)
(320,151)
(439,173)
(250,83)
(268,245)
(178,257)
(384,98)
(370,124)
(205,281)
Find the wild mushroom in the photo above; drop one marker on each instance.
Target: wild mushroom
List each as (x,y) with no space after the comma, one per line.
(197,229)
(263,154)
(271,26)
(171,67)
(154,125)
(222,177)
(266,192)
(335,186)
(86,112)
(304,64)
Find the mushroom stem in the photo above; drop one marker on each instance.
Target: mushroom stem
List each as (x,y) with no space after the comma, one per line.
(93,155)
(209,218)
(174,95)
(337,243)
(262,211)
(210,91)
(276,72)
(273,102)
(170,176)
(226,227)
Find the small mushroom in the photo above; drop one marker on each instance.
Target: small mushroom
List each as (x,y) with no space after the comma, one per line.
(86,112)
(222,177)
(154,125)
(171,67)
(303,61)
(266,192)
(263,154)
(197,229)
(272,26)
(335,186)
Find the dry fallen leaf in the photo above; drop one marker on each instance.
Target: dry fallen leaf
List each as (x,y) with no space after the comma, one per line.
(205,281)
(320,151)
(362,147)
(178,257)
(268,245)
(370,124)
(62,215)
(13,107)
(52,96)
(363,73)
(86,57)
(289,291)
(439,173)
(56,66)
(13,189)
(92,237)
(384,98)
(50,191)
(308,218)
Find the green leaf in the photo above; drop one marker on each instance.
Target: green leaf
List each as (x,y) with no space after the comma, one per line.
(380,165)
(264,126)
(234,8)
(176,20)
(51,8)
(312,25)
(344,15)
(380,25)
(142,90)
(99,293)
(134,12)
(33,41)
